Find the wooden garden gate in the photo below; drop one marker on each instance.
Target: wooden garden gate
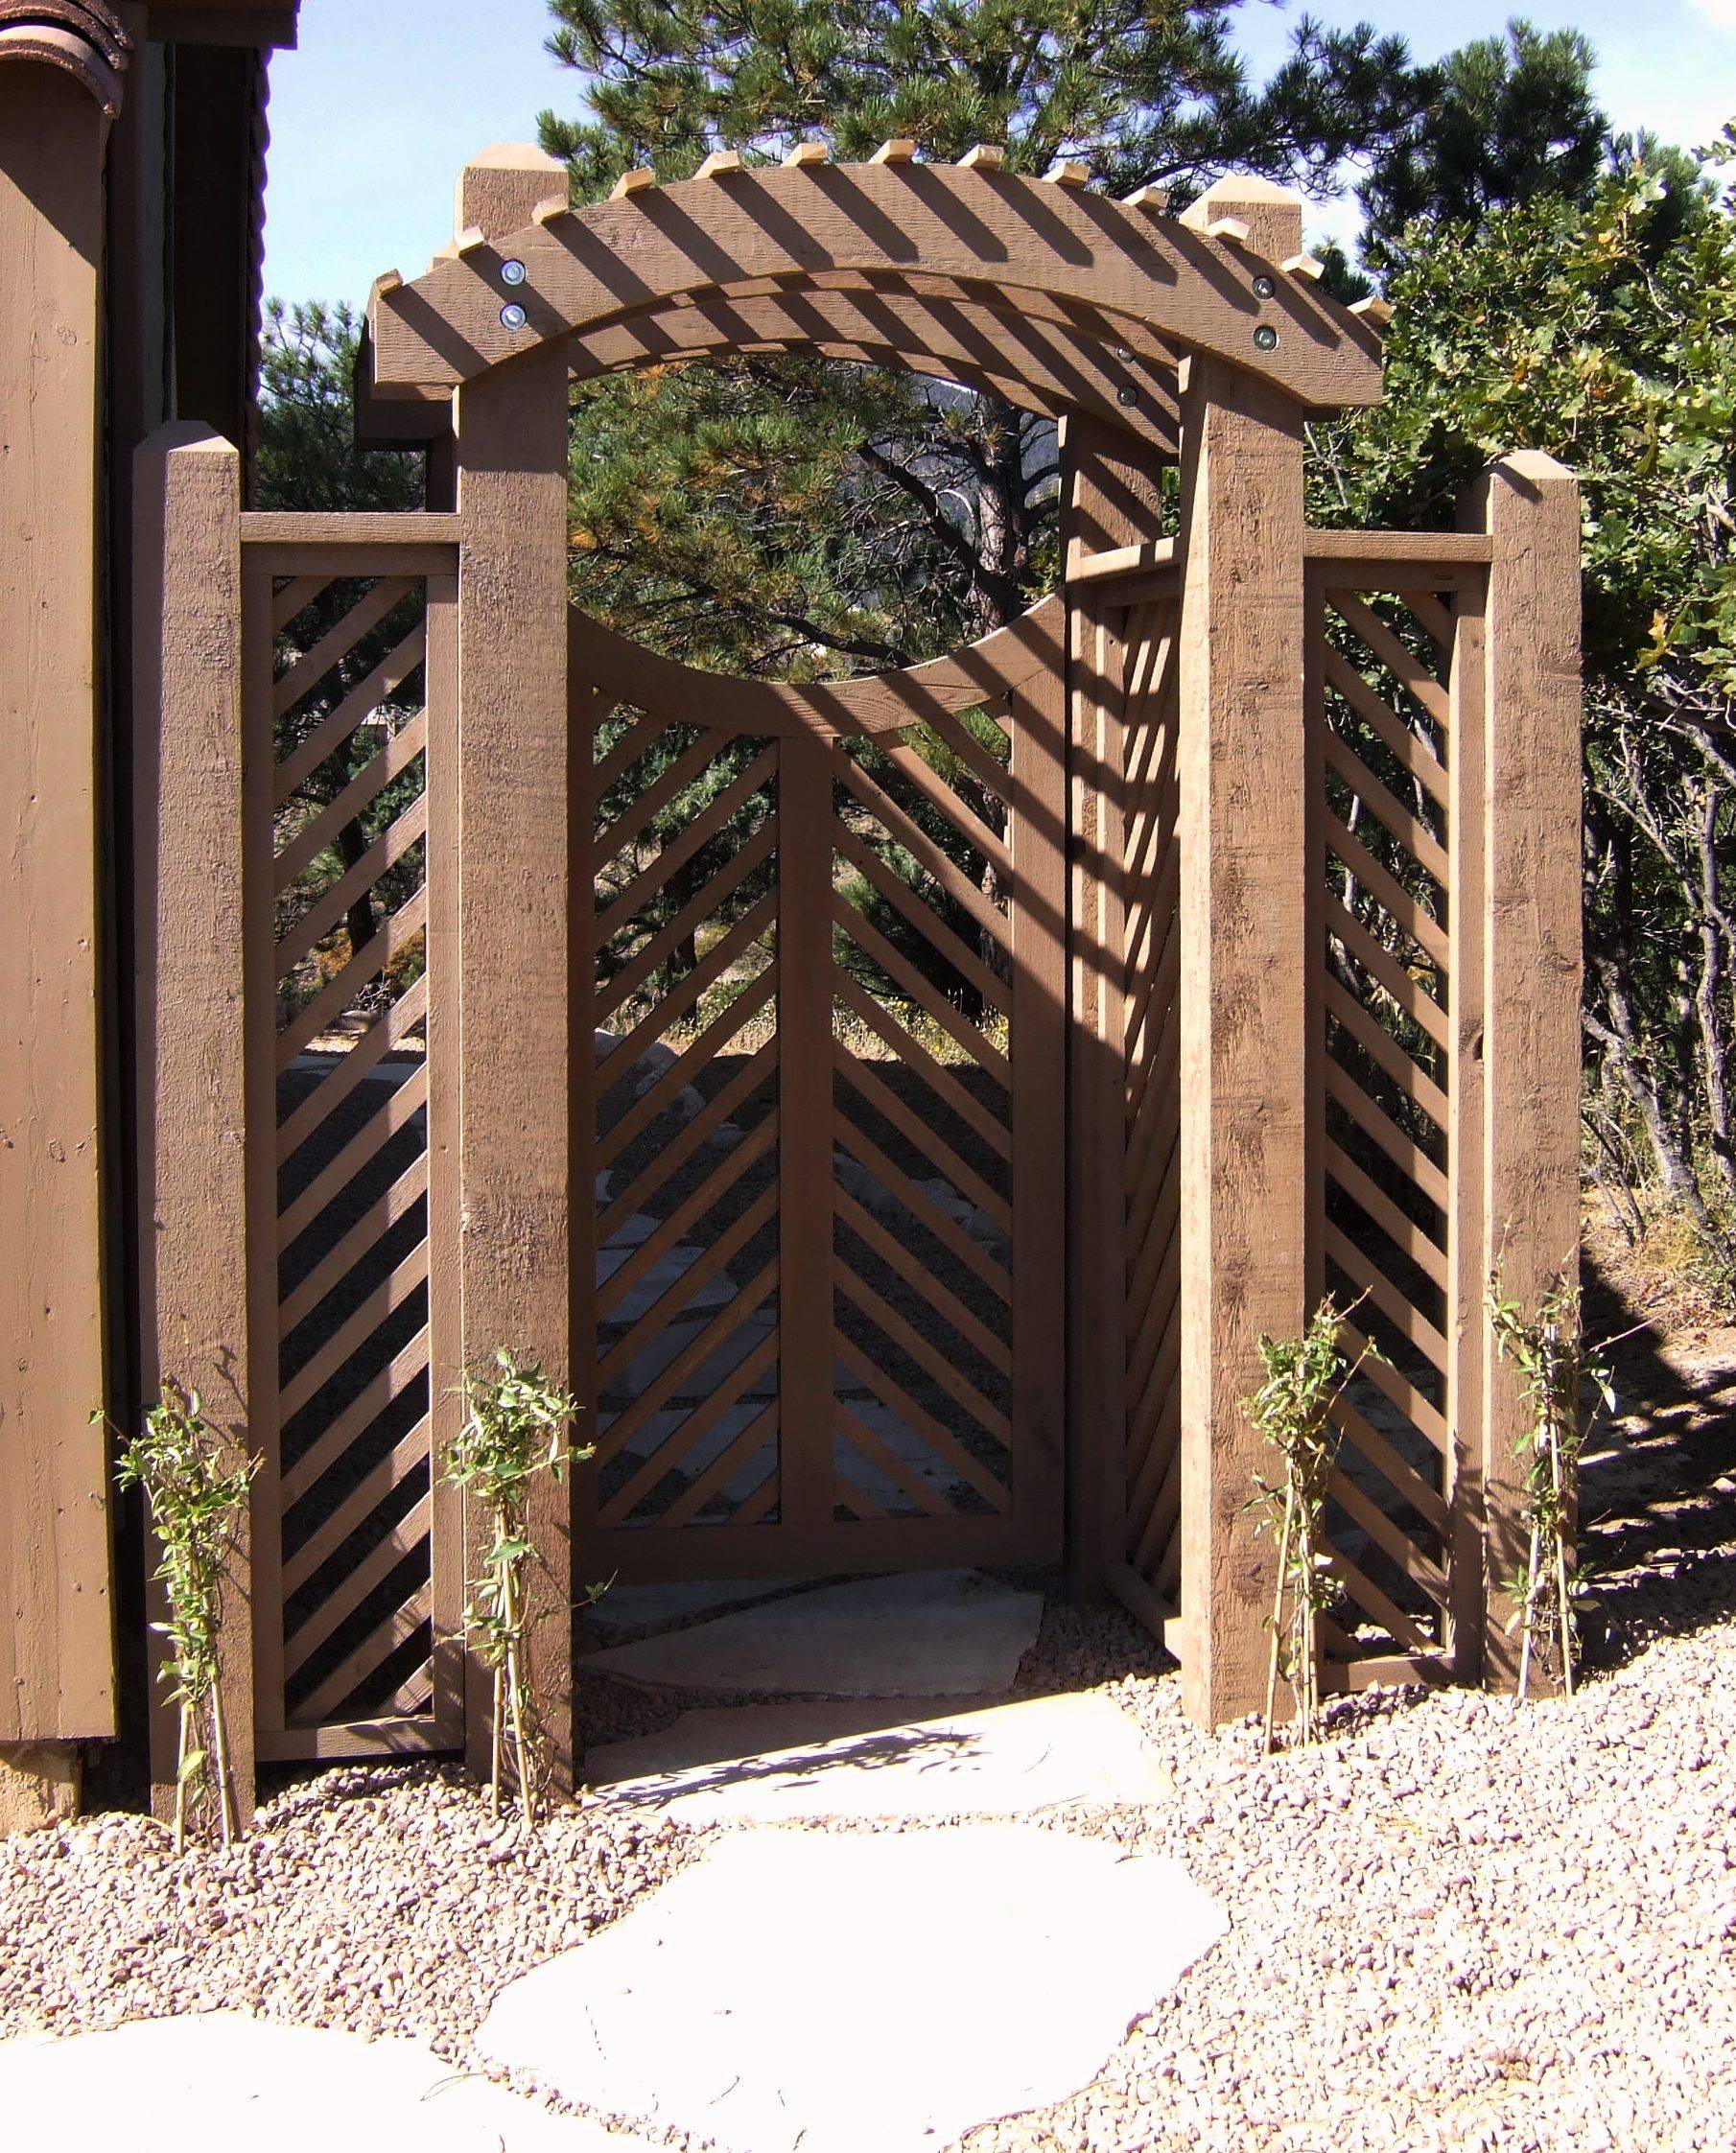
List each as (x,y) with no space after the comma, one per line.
(895,1108)
(838,1342)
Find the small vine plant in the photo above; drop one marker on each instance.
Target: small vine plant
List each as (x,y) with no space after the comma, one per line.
(516,1427)
(1292,1410)
(1557,1369)
(195,1490)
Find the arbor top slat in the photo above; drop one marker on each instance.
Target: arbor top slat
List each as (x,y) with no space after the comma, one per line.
(993,231)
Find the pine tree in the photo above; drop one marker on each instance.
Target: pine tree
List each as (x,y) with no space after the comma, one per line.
(1501,122)
(796,515)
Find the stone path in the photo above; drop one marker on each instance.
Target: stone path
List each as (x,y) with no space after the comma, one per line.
(787,1764)
(161,2085)
(860,1993)
(792,1980)
(940,1634)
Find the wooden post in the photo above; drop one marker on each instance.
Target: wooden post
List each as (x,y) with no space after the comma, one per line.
(1244,905)
(1467,1251)
(192,1137)
(515,1093)
(1530,506)
(57,1643)
(1108,500)
(806,1478)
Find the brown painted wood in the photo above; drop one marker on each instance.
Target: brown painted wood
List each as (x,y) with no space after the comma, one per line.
(513,921)
(1529,505)
(626,672)
(57,1643)
(1244,905)
(194,1129)
(1106,506)
(1467,1253)
(1049,367)
(992,231)
(1039,897)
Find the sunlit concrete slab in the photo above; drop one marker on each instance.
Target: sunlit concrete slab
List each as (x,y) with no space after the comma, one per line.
(220,2079)
(860,1992)
(795,1763)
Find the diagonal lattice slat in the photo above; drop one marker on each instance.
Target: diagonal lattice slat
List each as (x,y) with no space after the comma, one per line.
(350,818)
(1385,1007)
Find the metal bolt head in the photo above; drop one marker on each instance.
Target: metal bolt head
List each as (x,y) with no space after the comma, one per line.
(1265,338)
(1264,287)
(1123,354)
(512,271)
(1127,393)
(512,316)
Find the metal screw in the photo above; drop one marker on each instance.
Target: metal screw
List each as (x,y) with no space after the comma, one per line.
(1123,354)
(1127,393)
(512,316)
(512,271)
(1265,338)
(1264,287)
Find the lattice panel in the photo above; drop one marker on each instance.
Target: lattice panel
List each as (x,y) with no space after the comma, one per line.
(683,829)
(1151,888)
(922,1021)
(350,1484)
(1383,712)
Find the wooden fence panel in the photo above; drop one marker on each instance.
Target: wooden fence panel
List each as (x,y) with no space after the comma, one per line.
(1151,1541)
(351,999)
(1395,838)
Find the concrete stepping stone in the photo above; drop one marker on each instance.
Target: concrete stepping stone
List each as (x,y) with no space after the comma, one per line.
(947,1633)
(860,1992)
(785,1764)
(656,1607)
(158,2085)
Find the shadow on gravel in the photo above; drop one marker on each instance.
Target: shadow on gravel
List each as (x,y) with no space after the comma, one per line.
(1657,1497)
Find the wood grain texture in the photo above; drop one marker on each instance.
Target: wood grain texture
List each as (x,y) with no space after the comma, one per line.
(513,923)
(1242,969)
(1101,510)
(806,1479)
(192,1131)
(1529,505)
(1468,836)
(57,1652)
(990,231)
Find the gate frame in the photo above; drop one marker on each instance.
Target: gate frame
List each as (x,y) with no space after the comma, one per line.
(800,256)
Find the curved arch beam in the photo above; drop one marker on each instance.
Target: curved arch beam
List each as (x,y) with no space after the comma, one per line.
(625,672)
(1041,358)
(1039,363)
(994,233)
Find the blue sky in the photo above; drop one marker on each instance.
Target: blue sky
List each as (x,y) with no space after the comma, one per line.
(374,114)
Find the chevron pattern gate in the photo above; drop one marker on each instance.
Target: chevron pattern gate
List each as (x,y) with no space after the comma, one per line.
(827,1310)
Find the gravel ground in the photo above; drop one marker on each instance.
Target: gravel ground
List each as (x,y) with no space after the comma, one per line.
(1454,1925)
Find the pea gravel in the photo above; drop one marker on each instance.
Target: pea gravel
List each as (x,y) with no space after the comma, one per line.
(1454,1925)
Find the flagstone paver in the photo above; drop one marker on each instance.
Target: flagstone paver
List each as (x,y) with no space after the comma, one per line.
(642,1607)
(860,1992)
(785,1764)
(948,1634)
(221,2078)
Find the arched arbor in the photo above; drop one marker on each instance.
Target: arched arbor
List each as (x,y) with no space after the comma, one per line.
(1250,858)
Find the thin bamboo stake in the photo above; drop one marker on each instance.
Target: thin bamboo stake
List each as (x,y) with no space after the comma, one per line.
(1278,1616)
(229,1820)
